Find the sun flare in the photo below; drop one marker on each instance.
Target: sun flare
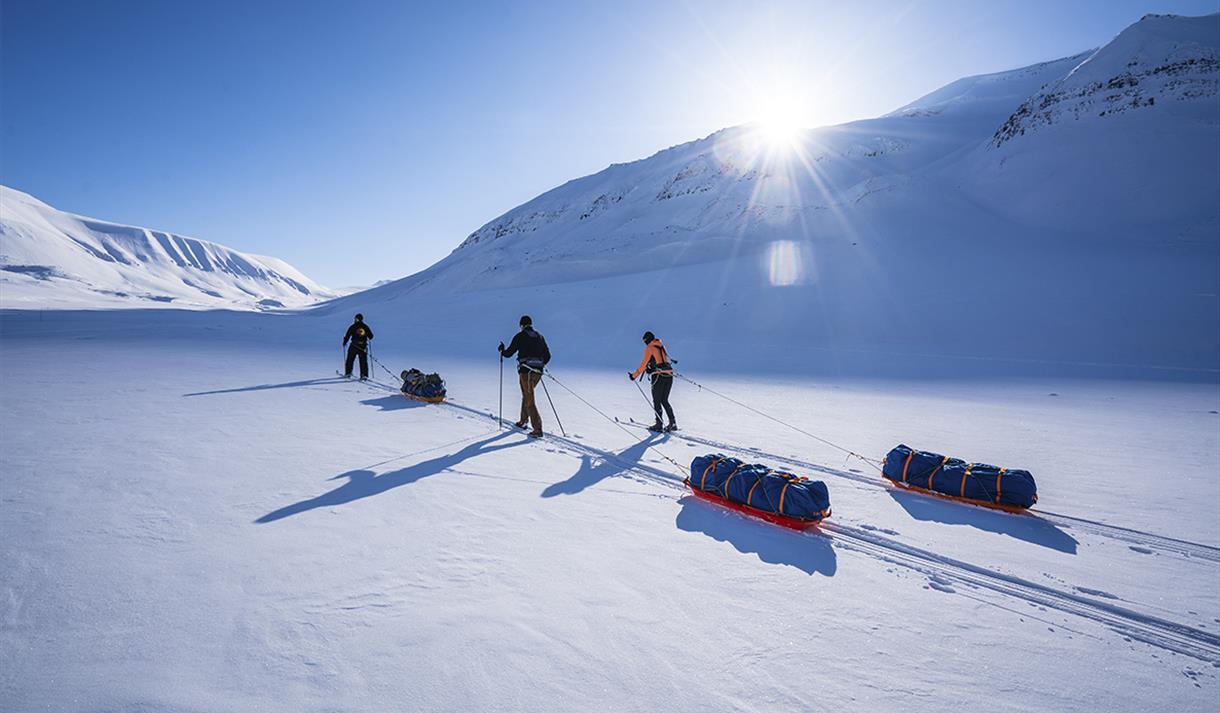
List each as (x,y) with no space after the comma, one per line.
(778,132)
(777,125)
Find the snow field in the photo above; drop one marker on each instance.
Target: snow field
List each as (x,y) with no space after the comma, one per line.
(202,525)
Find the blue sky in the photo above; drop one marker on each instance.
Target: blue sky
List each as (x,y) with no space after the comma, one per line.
(364,140)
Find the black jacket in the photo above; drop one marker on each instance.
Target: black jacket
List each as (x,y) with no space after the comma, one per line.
(359,334)
(530,348)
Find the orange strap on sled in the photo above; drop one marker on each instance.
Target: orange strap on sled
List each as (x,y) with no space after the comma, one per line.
(965,475)
(937,470)
(997,485)
(790,479)
(725,487)
(907,465)
(751,493)
(703,478)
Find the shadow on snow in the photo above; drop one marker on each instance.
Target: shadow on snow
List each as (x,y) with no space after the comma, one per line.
(265,387)
(394,402)
(1028,528)
(811,553)
(594,470)
(365,483)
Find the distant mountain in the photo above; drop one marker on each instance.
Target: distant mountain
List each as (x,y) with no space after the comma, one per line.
(1068,211)
(351,290)
(52,259)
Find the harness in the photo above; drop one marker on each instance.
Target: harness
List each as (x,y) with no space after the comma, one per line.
(662,369)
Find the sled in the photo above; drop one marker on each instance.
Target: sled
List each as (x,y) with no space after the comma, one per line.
(987,486)
(1003,507)
(418,386)
(791,523)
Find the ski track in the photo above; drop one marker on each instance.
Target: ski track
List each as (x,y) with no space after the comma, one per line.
(1184,548)
(647,474)
(1161,633)
(942,570)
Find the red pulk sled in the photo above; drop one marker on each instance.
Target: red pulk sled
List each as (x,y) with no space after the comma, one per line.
(779,498)
(954,479)
(791,523)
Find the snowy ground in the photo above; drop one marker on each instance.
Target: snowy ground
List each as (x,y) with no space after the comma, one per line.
(198,524)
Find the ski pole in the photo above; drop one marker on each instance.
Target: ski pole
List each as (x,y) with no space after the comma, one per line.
(501,391)
(641,390)
(552,403)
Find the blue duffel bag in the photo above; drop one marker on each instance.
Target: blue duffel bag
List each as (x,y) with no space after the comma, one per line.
(952,477)
(760,488)
(429,387)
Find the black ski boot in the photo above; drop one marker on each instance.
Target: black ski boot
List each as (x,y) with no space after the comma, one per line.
(656,427)
(671,427)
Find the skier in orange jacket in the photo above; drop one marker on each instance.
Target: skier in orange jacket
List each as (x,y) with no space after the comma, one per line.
(656,364)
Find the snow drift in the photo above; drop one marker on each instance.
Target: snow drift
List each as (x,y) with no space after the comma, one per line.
(53,259)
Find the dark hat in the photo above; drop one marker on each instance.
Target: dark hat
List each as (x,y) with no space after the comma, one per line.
(525,320)
(359,317)
(648,337)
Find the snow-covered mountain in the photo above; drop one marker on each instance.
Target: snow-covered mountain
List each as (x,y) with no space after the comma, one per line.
(352,289)
(1127,143)
(1063,212)
(52,259)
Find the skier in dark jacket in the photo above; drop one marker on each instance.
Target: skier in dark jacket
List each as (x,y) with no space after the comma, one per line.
(359,335)
(661,372)
(532,356)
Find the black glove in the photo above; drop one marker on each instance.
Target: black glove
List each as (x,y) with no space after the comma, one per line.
(631,376)
(501,347)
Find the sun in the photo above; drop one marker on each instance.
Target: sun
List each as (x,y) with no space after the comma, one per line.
(777,125)
(778,132)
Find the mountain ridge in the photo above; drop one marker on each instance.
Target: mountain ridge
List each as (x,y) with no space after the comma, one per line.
(51,258)
(1088,241)
(723,192)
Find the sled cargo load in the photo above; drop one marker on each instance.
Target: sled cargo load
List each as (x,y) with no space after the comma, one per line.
(423,387)
(774,496)
(977,483)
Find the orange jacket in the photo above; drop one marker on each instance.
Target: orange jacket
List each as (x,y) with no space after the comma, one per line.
(655,350)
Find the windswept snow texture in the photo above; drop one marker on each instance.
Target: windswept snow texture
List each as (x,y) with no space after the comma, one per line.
(1062,213)
(267,536)
(51,259)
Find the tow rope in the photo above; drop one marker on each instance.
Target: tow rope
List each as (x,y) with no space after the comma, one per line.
(621,427)
(872,462)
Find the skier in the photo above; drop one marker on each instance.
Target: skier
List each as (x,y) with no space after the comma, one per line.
(532,356)
(656,364)
(359,334)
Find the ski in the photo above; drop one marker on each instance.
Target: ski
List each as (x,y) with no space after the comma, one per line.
(370,381)
(637,424)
